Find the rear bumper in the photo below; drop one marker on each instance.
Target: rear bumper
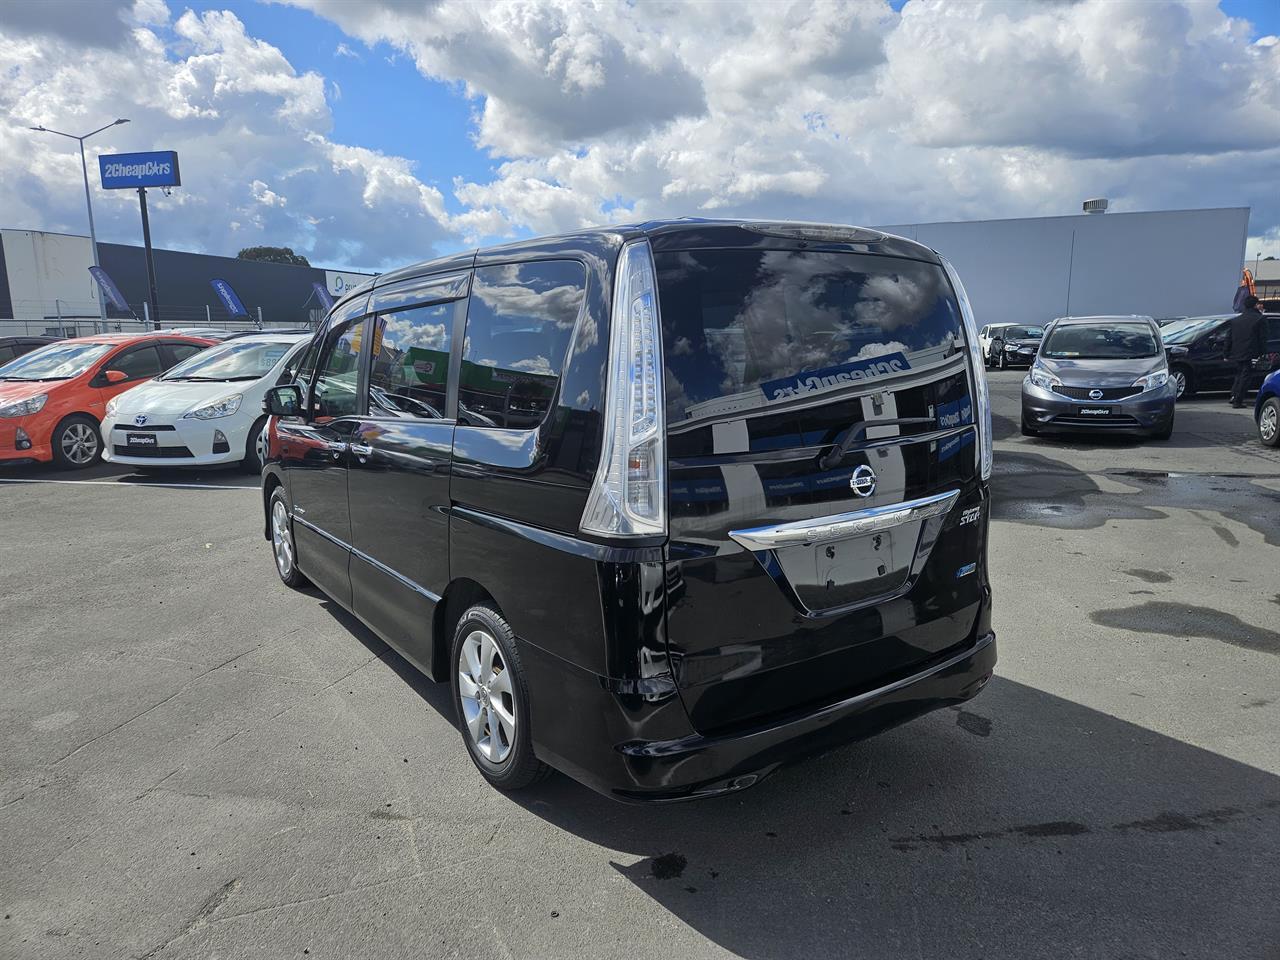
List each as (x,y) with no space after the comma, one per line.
(1049,412)
(693,765)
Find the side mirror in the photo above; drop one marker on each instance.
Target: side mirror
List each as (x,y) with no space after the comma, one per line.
(116,376)
(284,401)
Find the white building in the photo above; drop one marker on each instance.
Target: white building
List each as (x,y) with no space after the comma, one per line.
(1166,263)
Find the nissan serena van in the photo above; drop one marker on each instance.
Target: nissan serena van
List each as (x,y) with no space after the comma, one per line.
(667,505)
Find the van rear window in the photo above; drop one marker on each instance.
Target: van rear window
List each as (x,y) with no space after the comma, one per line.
(746,329)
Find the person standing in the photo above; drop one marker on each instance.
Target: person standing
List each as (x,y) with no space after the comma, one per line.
(1245,343)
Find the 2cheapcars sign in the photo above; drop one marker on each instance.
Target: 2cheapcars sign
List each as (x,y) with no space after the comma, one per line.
(156,169)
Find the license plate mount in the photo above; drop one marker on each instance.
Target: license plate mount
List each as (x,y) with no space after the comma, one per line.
(1093,411)
(140,439)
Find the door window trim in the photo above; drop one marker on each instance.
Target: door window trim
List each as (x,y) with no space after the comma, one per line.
(452,287)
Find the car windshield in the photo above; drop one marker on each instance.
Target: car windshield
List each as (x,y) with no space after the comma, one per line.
(1184,331)
(237,360)
(1022,333)
(58,361)
(1100,341)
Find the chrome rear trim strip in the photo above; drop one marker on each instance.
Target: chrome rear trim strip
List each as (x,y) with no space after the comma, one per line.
(842,526)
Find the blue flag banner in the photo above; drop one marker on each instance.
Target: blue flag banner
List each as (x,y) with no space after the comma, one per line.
(322,294)
(229,298)
(109,289)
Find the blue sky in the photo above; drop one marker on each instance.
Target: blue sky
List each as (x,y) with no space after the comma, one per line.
(867,113)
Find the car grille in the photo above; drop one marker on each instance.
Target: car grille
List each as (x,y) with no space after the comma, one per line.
(1108,393)
(1115,420)
(155,453)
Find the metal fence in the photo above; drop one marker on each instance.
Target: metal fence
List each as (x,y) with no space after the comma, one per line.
(72,318)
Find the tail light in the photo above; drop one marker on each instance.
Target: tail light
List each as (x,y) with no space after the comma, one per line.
(629,494)
(977,373)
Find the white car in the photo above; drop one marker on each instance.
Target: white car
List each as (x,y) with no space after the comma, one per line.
(206,410)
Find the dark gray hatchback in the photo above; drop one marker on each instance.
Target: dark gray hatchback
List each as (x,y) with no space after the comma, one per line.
(667,504)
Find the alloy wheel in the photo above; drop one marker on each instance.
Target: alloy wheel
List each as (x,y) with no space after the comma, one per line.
(281,539)
(1268,425)
(79,443)
(488,696)
(1179,384)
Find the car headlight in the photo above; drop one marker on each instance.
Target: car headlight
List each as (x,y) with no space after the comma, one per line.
(24,408)
(1011,348)
(1042,378)
(112,405)
(1153,381)
(223,408)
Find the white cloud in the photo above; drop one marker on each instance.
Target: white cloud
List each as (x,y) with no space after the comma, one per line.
(847,111)
(596,111)
(258,163)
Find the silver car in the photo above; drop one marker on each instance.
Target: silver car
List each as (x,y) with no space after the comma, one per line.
(1099,374)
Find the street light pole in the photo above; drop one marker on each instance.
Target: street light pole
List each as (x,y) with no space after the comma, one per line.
(88,200)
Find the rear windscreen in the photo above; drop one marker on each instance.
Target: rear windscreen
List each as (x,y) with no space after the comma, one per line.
(746,329)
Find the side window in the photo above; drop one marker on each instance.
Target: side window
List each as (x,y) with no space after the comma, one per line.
(181,351)
(519,323)
(137,364)
(410,371)
(293,366)
(6,354)
(1273,334)
(334,394)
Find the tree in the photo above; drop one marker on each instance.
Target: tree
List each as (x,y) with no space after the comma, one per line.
(273,255)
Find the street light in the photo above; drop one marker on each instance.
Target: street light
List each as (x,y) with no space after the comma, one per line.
(93,236)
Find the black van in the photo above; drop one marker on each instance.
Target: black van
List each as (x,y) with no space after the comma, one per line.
(667,504)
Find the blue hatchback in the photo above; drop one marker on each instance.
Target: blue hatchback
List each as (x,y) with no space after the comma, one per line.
(1266,410)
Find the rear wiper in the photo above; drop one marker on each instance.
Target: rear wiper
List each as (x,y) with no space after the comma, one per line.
(855,434)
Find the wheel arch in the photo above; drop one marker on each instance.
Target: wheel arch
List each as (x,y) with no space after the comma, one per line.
(459,596)
(270,481)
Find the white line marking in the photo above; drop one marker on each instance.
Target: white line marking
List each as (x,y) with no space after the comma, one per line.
(131,484)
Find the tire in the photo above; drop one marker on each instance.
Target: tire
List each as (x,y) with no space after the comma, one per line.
(1269,423)
(1185,385)
(283,548)
(252,462)
(490,691)
(76,442)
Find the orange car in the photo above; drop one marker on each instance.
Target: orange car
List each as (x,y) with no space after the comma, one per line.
(52,399)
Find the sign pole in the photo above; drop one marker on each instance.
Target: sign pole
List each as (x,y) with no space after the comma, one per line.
(151,263)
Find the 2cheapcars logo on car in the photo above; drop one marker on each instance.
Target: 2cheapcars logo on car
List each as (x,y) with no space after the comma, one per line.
(152,168)
(816,381)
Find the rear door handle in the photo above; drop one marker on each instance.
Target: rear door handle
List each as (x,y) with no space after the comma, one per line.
(361,450)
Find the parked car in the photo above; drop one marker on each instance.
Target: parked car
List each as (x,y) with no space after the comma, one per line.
(1099,373)
(206,410)
(1013,345)
(986,336)
(52,399)
(726,500)
(11,347)
(1197,355)
(1266,410)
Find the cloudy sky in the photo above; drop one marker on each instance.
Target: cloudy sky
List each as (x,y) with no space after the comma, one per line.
(372,134)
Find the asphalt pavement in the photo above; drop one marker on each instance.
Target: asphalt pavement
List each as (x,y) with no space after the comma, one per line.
(198,762)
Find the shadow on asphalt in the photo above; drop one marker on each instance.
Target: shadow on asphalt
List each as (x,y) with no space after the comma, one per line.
(1018,825)
(230,476)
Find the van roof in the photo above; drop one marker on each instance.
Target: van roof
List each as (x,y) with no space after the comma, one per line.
(682,233)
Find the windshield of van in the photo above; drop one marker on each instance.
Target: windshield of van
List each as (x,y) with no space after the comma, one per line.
(1188,330)
(745,329)
(1100,341)
(237,360)
(58,361)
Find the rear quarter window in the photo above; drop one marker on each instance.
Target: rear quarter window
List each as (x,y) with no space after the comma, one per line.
(520,319)
(743,330)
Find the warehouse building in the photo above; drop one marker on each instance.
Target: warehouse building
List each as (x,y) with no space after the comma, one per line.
(1165,263)
(45,283)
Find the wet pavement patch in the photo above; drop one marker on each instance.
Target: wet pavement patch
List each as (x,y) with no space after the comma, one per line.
(668,866)
(1179,620)
(1150,576)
